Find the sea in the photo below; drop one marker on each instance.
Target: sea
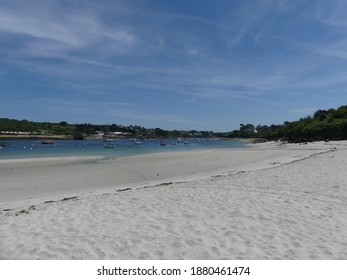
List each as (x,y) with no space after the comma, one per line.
(120,148)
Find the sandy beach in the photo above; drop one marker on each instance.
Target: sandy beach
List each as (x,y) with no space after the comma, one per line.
(270,201)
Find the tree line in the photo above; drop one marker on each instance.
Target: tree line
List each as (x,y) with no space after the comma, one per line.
(323,125)
(79,130)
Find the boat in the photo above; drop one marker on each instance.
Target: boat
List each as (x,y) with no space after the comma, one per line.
(47,142)
(109,146)
(162,143)
(137,142)
(4,144)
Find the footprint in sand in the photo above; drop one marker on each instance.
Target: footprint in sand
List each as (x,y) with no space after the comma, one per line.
(176,245)
(191,242)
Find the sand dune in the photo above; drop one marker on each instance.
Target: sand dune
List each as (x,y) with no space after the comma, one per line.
(268,202)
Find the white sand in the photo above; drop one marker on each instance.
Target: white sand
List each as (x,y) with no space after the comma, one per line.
(271,201)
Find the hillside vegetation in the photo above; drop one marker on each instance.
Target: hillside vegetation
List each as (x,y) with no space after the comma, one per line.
(11,127)
(323,125)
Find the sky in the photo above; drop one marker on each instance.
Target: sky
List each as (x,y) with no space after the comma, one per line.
(174,64)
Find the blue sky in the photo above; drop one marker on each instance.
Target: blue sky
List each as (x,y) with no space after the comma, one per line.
(175,64)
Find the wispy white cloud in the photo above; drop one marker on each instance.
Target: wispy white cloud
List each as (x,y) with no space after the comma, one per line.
(337,49)
(52,32)
(245,25)
(331,13)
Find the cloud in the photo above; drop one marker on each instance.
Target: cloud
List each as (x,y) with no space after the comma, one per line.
(336,49)
(246,25)
(53,31)
(331,13)
(70,30)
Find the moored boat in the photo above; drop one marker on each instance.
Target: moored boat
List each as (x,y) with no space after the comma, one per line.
(4,144)
(162,143)
(47,142)
(109,146)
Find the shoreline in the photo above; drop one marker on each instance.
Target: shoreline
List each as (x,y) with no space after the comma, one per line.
(270,201)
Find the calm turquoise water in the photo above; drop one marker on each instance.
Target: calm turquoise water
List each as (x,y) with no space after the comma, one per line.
(120,148)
